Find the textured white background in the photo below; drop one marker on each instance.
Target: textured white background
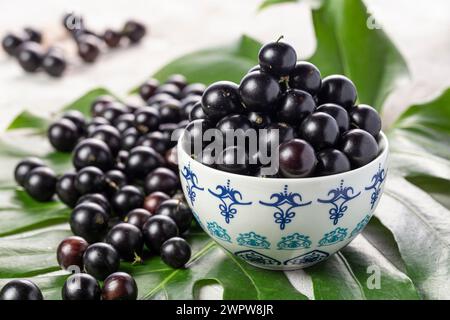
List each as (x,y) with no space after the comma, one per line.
(420,28)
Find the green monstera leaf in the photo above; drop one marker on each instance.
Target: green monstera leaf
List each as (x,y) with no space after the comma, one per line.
(402,254)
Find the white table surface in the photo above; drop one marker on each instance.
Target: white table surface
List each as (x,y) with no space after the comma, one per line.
(420,28)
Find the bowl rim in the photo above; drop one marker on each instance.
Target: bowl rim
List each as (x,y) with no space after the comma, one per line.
(384,142)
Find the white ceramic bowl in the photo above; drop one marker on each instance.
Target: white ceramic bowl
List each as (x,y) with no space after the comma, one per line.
(283,224)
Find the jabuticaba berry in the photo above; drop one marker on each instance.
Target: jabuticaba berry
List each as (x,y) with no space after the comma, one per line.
(235,159)
(141,161)
(63,135)
(306,77)
(331,161)
(178,211)
(179,80)
(339,90)
(101,260)
(96,198)
(24,167)
(134,31)
(155,140)
(320,130)
(196,89)
(171,158)
(88,48)
(11,43)
(99,105)
(169,88)
(92,152)
(109,135)
(296,159)
(127,240)
(154,200)
(366,118)
(119,286)
(124,122)
(197,112)
(112,111)
(148,88)
(157,230)
(146,120)
(176,252)
(90,180)
(161,179)
(338,113)
(94,123)
(54,63)
(89,221)
(70,252)
(233,122)
(114,180)
(78,119)
(20,290)
(112,38)
(137,217)
(277,58)
(259,91)
(295,105)
(65,189)
(40,184)
(170,111)
(129,138)
(81,286)
(193,135)
(30,56)
(220,99)
(259,120)
(359,146)
(126,199)
(187,104)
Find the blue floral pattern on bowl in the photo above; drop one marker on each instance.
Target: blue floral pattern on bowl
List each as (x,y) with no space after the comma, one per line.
(360,226)
(294,241)
(339,197)
(253,240)
(256,257)
(191,182)
(308,258)
(285,203)
(218,232)
(377,181)
(229,198)
(332,237)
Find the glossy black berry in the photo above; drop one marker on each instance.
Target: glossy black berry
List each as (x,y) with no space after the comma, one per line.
(119,286)
(11,43)
(30,56)
(20,290)
(129,138)
(208,157)
(137,217)
(54,63)
(193,136)
(101,260)
(88,48)
(187,104)
(109,135)
(220,99)
(296,159)
(127,240)
(40,183)
(306,77)
(112,38)
(295,105)
(134,31)
(24,167)
(359,146)
(90,180)
(63,135)
(92,152)
(78,119)
(178,211)
(157,230)
(366,118)
(114,180)
(124,122)
(277,58)
(259,120)
(171,158)
(338,113)
(197,112)
(146,119)
(233,159)
(96,198)
(70,252)
(169,88)
(176,252)
(148,88)
(331,161)
(161,179)
(154,200)
(170,111)
(155,140)
(259,91)
(89,221)
(141,161)
(159,98)
(33,34)
(65,189)
(94,123)
(233,122)
(193,89)
(81,286)
(339,90)
(99,105)
(126,199)
(112,111)
(320,130)
(177,79)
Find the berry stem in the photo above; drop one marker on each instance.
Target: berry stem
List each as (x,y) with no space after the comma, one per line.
(279,38)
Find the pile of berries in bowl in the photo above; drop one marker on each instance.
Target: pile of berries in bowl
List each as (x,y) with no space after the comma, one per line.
(284,169)
(124,190)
